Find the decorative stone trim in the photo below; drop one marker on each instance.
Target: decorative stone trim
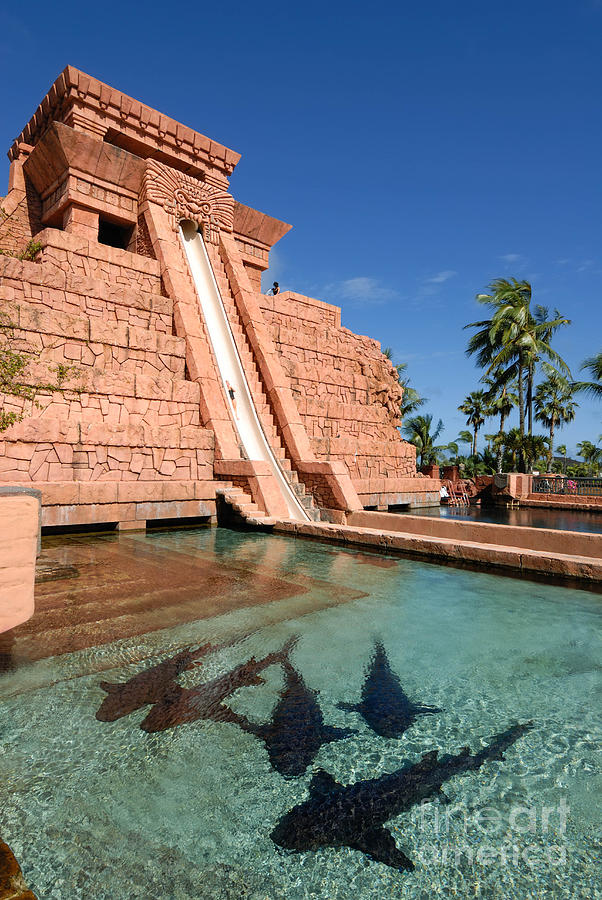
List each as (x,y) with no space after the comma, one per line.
(87,104)
(184,197)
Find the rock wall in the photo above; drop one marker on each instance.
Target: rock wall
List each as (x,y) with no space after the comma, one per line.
(131,420)
(122,440)
(347,392)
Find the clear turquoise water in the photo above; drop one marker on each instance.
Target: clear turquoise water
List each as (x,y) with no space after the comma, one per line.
(104,810)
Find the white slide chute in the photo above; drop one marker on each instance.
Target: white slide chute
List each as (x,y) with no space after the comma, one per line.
(230,366)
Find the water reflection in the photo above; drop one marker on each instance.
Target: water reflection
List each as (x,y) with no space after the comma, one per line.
(558,519)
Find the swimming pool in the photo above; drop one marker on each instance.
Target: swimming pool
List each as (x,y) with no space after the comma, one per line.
(531,517)
(109,809)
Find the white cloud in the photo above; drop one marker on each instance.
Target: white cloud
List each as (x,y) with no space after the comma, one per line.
(585,265)
(362,289)
(441,277)
(512,257)
(274,273)
(431,284)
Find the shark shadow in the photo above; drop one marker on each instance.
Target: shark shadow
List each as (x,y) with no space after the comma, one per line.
(384,705)
(147,687)
(205,701)
(296,730)
(337,815)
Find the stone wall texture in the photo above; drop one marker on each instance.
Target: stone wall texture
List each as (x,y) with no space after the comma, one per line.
(122,439)
(346,390)
(131,420)
(19,527)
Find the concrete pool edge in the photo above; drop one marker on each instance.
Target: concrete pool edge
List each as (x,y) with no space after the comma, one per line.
(523,537)
(483,554)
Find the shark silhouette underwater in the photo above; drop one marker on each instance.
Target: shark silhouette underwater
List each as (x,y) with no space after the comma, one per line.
(336,815)
(149,686)
(296,730)
(384,704)
(180,705)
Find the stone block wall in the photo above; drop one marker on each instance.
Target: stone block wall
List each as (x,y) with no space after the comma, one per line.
(345,389)
(92,298)
(76,256)
(20,218)
(141,419)
(122,440)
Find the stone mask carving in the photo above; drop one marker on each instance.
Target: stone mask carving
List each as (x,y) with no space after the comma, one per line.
(184,197)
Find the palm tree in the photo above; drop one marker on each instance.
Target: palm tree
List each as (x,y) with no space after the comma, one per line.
(501,400)
(591,454)
(465,437)
(554,405)
(411,399)
(534,446)
(474,409)
(562,451)
(513,445)
(514,339)
(593,365)
(452,449)
(418,432)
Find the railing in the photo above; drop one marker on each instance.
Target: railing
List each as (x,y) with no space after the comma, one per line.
(576,487)
(456,493)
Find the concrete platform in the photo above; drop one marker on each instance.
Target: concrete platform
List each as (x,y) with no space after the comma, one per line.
(484,553)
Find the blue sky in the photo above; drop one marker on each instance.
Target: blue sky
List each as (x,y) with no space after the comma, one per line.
(419,149)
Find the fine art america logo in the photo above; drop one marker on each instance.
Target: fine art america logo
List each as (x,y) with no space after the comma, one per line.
(525,836)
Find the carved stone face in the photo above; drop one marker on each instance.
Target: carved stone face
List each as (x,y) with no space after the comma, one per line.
(184,197)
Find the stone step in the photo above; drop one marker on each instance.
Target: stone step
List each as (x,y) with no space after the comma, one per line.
(127,384)
(32,318)
(242,503)
(70,493)
(64,431)
(249,509)
(82,295)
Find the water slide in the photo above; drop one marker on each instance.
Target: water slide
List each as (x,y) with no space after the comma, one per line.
(231,370)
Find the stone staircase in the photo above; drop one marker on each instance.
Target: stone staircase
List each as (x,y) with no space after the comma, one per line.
(258,394)
(242,508)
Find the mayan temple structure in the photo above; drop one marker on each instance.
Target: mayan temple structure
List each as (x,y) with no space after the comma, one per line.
(169,386)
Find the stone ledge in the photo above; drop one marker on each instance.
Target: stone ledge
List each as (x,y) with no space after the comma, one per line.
(33,317)
(124,384)
(287,303)
(62,431)
(555,501)
(529,562)
(98,513)
(522,538)
(51,278)
(396,485)
(411,499)
(74,243)
(73,493)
